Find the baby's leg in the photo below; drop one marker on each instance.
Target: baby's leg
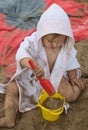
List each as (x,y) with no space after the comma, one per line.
(66,90)
(11,106)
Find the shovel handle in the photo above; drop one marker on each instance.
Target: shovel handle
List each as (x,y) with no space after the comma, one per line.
(33,67)
(46,84)
(32,64)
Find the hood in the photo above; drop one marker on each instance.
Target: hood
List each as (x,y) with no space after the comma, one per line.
(54,20)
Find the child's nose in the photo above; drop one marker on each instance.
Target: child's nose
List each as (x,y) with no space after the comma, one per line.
(54,44)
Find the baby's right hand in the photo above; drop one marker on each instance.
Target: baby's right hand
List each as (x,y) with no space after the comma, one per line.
(37,69)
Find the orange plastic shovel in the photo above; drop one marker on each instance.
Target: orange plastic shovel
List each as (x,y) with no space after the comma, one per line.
(45,83)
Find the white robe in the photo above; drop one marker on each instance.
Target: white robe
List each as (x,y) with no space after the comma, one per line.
(53,20)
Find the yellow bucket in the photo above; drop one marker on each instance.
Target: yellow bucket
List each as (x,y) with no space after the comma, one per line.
(50,115)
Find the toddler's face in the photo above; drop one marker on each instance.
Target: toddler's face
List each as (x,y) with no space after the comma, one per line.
(54,40)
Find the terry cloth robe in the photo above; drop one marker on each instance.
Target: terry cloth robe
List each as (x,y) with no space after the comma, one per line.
(53,20)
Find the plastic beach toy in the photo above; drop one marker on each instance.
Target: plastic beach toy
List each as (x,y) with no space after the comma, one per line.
(45,83)
(50,115)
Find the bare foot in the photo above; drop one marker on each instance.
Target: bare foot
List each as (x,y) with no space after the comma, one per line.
(6,123)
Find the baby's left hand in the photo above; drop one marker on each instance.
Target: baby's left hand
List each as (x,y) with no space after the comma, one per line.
(78,83)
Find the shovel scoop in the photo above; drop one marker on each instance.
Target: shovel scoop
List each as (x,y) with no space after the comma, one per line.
(45,83)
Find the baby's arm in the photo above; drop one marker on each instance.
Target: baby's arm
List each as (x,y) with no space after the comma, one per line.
(38,69)
(72,74)
(24,62)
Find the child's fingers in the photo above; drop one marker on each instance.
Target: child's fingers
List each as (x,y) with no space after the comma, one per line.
(39,72)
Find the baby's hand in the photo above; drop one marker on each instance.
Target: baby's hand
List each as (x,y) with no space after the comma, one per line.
(77,82)
(38,70)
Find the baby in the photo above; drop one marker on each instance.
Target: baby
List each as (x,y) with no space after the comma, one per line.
(51,48)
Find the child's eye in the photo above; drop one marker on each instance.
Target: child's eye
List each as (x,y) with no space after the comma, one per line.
(50,41)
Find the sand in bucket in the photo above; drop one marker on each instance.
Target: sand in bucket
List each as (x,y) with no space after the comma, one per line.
(53,103)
